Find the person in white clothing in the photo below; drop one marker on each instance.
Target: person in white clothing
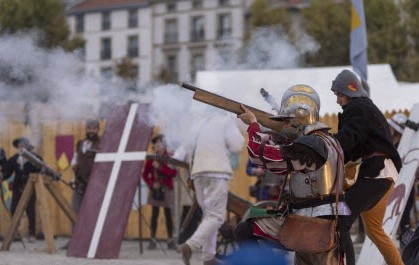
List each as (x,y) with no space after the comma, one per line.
(215,138)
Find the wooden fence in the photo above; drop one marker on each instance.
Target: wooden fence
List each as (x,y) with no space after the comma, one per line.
(43,137)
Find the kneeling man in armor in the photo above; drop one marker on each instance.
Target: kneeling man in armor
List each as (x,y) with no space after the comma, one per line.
(313,160)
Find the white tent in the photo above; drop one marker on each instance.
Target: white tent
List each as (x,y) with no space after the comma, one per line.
(244,86)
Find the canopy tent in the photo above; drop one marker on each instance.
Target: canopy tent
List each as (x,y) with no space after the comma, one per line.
(244,86)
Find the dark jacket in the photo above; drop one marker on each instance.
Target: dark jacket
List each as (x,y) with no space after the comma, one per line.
(84,163)
(363,131)
(21,174)
(410,254)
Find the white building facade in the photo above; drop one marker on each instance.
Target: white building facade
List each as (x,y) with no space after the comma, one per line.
(113,32)
(193,35)
(166,40)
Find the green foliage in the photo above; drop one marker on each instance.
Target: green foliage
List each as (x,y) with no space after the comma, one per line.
(44,15)
(411,11)
(410,69)
(387,41)
(262,15)
(126,69)
(328,23)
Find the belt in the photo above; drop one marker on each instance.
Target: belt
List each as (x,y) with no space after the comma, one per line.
(373,155)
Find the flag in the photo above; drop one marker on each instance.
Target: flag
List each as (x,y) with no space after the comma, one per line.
(358,49)
(64,151)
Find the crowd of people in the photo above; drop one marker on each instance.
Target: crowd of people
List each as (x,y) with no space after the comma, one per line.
(304,173)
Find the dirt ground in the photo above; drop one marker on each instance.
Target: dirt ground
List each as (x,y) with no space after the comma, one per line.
(34,254)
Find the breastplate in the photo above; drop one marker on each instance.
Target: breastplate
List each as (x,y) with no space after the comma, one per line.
(321,182)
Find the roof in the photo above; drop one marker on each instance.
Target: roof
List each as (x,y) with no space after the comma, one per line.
(104,5)
(244,86)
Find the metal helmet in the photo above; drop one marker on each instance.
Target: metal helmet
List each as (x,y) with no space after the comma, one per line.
(398,122)
(300,104)
(347,83)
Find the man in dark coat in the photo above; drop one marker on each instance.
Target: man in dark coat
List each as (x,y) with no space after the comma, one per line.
(364,134)
(21,168)
(83,160)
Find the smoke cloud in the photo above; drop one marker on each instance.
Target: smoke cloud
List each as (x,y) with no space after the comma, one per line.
(173,108)
(39,84)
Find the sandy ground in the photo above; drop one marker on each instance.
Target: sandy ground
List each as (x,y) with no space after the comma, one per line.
(34,254)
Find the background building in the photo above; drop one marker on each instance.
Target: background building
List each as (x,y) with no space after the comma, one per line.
(114,30)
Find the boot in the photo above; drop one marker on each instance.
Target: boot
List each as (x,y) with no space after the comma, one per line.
(212,261)
(186,252)
(152,245)
(171,244)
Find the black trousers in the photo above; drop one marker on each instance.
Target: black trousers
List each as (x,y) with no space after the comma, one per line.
(30,209)
(362,196)
(169,222)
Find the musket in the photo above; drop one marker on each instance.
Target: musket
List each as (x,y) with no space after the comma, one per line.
(168,160)
(233,106)
(45,169)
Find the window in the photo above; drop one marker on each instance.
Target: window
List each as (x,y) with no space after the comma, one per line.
(224,26)
(171,6)
(196,4)
(79,23)
(133,18)
(106,49)
(135,71)
(106,73)
(106,20)
(132,49)
(81,52)
(197,64)
(223,2)
(197,29)
(172,67)
(170,31)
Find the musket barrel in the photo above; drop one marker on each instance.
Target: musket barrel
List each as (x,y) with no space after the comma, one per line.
(190,87)
(39,164)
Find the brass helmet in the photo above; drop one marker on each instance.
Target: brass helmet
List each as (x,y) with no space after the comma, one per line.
(300,104)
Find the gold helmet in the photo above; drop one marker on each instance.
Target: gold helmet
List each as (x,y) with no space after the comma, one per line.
(300,104)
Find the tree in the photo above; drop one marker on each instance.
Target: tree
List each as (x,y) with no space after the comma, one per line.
(387,41)
(263,15)
(328,23)
(410,69)
(44,15)
(128,72)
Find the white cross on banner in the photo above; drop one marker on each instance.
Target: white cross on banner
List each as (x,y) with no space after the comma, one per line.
(107,202)
(409,152)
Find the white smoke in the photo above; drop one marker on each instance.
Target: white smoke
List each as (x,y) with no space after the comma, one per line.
(173,108)
(48,84)
(176,113)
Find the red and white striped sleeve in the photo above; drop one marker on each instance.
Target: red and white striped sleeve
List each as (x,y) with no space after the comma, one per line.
(272,154)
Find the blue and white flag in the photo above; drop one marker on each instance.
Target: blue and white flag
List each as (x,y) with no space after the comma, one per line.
(358,49)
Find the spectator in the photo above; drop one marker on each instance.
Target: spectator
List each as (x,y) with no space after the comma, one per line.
(159,178)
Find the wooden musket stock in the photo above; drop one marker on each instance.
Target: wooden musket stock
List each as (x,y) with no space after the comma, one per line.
(233,106)
(168,160)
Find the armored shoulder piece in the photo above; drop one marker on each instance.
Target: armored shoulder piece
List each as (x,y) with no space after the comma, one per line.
(315,127)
